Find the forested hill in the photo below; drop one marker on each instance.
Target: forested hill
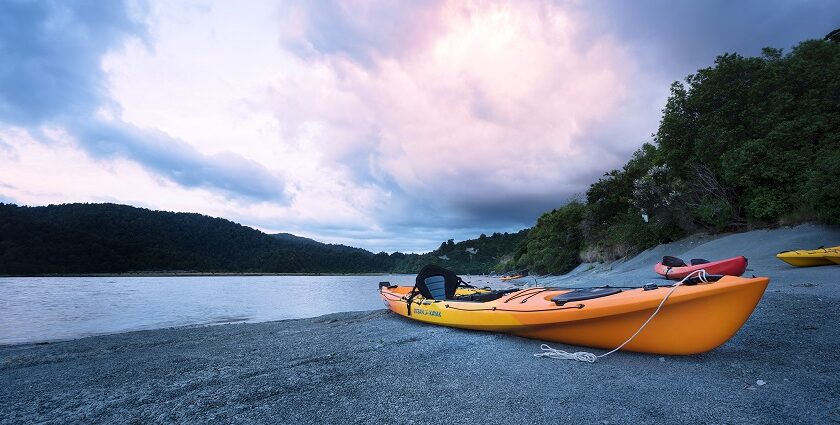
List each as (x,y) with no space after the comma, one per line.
(474,256)
(111,238)
(748,142)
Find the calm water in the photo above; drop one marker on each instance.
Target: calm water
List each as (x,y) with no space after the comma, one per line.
(47,309)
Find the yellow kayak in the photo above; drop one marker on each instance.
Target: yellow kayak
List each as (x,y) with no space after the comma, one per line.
(813,257)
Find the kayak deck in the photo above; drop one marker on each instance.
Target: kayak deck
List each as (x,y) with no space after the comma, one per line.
(810,258)
(695,319)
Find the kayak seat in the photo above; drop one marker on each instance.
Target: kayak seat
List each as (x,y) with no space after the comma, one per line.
(696,261)
(584,294)
(437,283)
(669,261)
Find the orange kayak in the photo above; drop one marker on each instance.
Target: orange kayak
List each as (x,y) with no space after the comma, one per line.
(695,319)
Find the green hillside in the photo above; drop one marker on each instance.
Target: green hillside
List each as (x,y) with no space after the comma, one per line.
(110,238)
(749,142)
(474,256)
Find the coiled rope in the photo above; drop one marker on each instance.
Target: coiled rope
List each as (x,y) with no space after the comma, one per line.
(585,356)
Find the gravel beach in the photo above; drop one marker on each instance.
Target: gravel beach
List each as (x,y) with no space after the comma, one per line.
(375,367)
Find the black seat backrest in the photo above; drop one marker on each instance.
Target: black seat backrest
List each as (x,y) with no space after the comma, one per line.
(672,261)
(696,261)
(437,283)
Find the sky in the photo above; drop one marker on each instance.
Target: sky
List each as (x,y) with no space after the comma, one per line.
(387,125)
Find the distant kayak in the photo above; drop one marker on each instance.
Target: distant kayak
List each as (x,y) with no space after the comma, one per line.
(695,319)
(517,275)
(813,257)
(675,268)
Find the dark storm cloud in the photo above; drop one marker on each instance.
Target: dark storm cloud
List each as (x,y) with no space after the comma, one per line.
(50,73)
(675,38)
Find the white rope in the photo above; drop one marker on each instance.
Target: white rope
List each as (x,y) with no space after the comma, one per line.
(581,356)
(584,356)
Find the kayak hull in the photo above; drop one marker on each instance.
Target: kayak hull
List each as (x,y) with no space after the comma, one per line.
(735,266)
(811,258)
(695,319)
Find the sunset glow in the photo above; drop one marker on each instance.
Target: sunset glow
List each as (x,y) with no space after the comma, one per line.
(384,125)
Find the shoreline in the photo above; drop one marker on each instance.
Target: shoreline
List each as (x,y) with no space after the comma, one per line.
(374,366)
(198,274)
(782,366)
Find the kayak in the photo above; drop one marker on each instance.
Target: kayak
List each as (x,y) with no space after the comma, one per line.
(809,258)
(695,319)
(678,269)
(514,275)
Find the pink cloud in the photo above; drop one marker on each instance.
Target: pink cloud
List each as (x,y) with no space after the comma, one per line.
(493,102)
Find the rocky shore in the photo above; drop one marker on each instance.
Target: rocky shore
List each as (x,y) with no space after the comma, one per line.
(782,367)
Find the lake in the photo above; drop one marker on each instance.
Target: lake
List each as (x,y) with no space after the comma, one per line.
(57,308)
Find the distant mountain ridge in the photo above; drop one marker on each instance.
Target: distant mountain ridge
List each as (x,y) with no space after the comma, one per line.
(113,238)
(300,240)
(295,238)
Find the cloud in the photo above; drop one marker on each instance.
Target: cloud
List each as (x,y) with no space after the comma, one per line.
(382,124)
(51,52)
(484,118)
(4,188)
(490,113)
(35,172)
(178,161)
(362,30)
(51,75)
(676,38)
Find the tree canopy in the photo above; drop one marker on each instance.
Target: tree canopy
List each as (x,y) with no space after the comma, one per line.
(747,142)
(111,238)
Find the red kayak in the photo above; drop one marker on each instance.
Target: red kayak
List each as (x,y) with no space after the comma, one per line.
(675,268)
